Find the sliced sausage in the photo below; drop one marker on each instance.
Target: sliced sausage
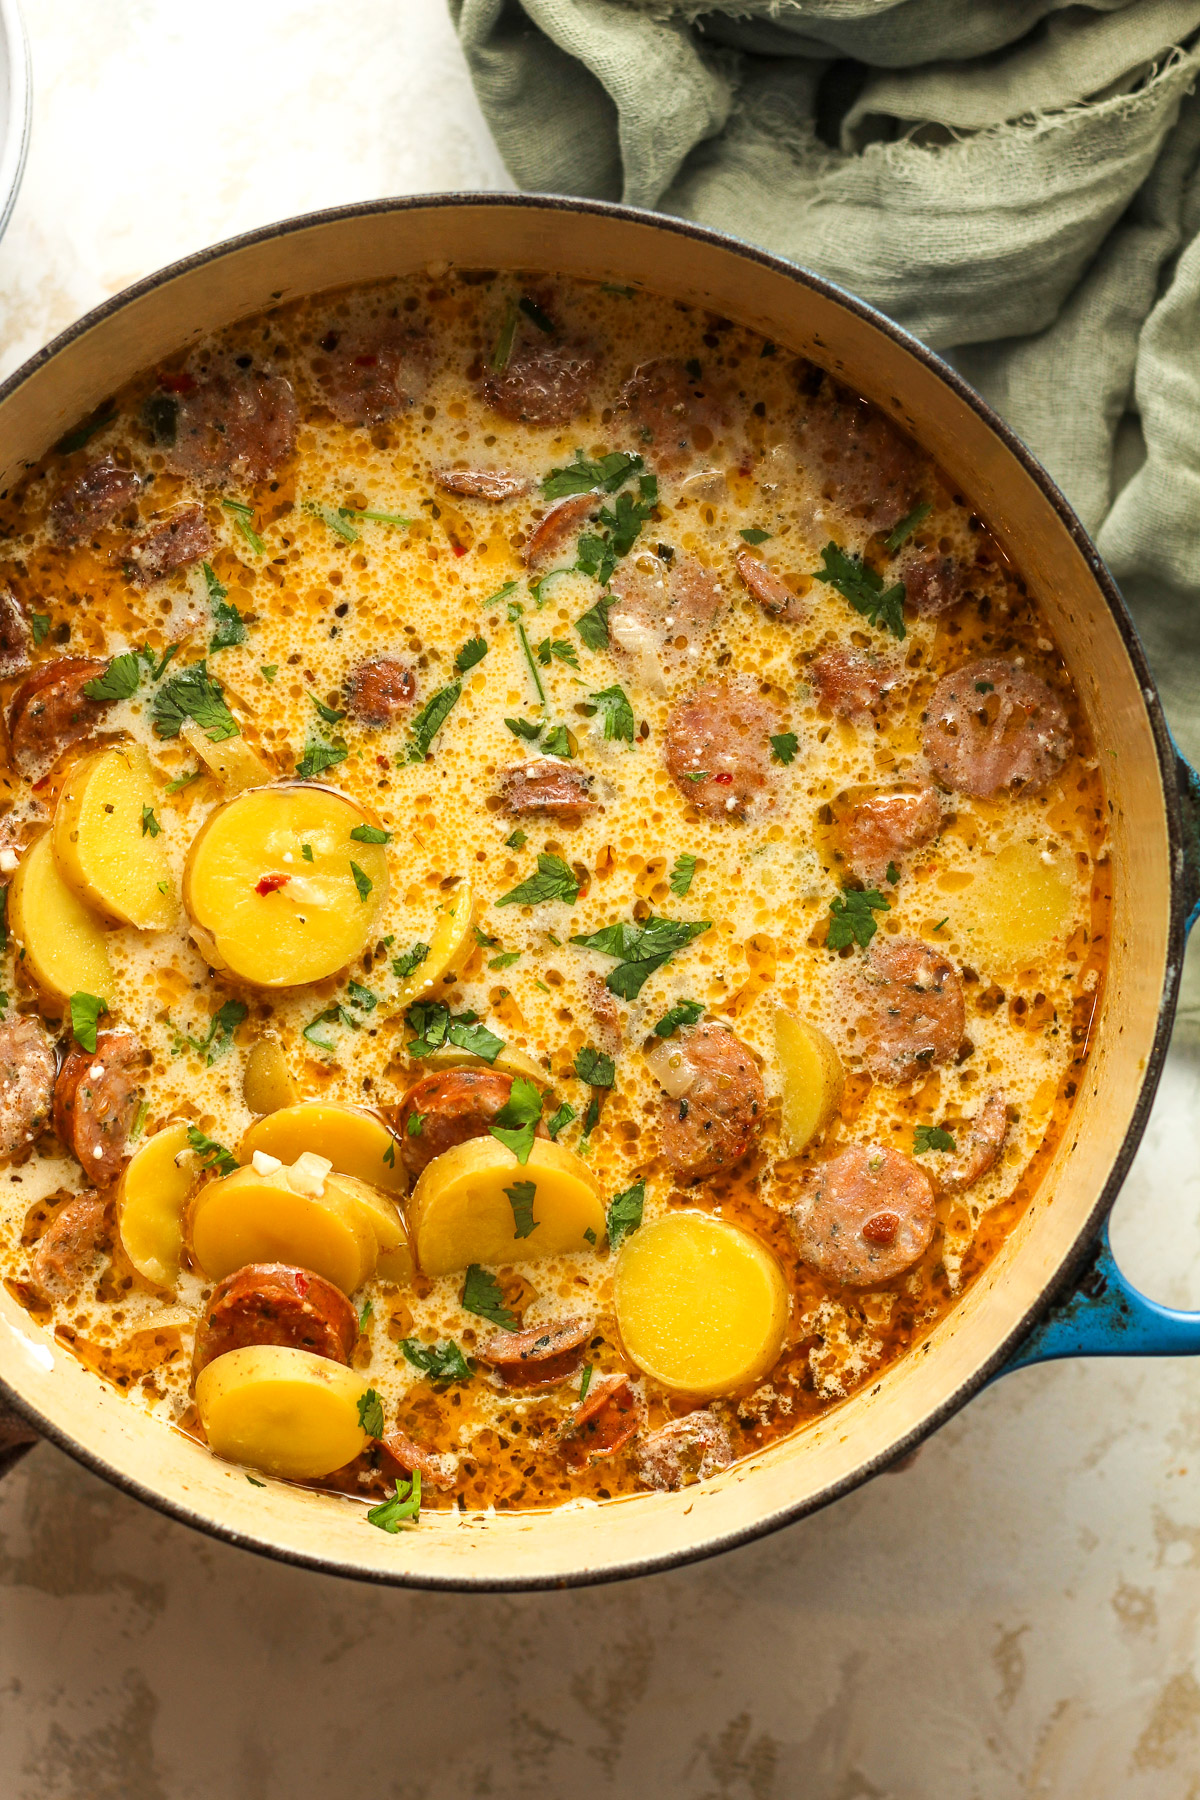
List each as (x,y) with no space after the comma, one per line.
(492,485)
(96,1100)
(850,683)
(372,370)
(673,410)
(542,384)
(683,1451)
(770,590)
(28,1066)
(558,528)
(877,831)
(276,1303)
(933,583)
(608,1016)
(865,1216)
(233,423)
(379,690)
(604,1422)
(548,785)
(69,1246)
(977,1145)
(50,712)
(859,458)
(662,608)
(717,749)
(183,538)
(991,725)
(437,1470)
(907,999)
(93,499)
(452,1106)
(16,638)
(714,1106)
(541,1356)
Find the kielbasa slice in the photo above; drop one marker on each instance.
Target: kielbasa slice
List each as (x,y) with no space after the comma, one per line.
(978,1145)
(850,683)
(672,409)
(276,1303)
(70,1244)
(865,1216)
(559,527)
(933,583)
(28,1066)
(879,830)
(604,1422)
(717,749)
(452,1106)
(93,499)
(770,590)
(233,423)
(16,638)
(493,485)
(547,785)
(540,1356)
(379,690)
(661,607)
(908,1002)
(991,725)
(437,1470)
(50,712)
(183,538)
(683,1451)
(96,1100)
(372,371)
(542,384)
(714,1106)
(859,457)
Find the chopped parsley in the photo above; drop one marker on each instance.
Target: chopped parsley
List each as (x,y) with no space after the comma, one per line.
(441,1362)
(516,840)
(561,1119)
(640,949)
(193,694)
(362,882)
(900,533)
(229,627)
(404,1507)
(561,648)
(268,671)
(85,1015)
(852,917)
(510,587)
(416,1124)
(583,476)
(520,1198)
(319,756)
(585,1382)
(754,534)
(119,681)
(213,1156)
(434,1025)
(595,1068)
(684,1012)
(221,1028)
(619,722)
(553,881)
(329,714)
(515,1125)
(430,719)
(931,1137)
(481,1295)
(784,746)
(337,518)
(503,348)
(682,873)
(40,624)
(403,966)
(598,555)
(863,587)
(370,834)
(150,825)
(243,518)
(625,1213)
(505,960)
(370,1414)
(592,625)
(892,875)
(185,780)
(472,652)
(365,1312)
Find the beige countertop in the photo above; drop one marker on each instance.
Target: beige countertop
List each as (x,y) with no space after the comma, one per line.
(1013,1615)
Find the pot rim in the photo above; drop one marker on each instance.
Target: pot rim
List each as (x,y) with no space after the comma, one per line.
(1179,905)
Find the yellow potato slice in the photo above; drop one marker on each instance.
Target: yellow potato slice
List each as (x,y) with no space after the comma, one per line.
(312,925)
(234,762)
(267,1084)
(396,1260)
(450,943)
(285,1411)
(100,845)
(247,1217)
(812,1080)
(701,1305)
(509,1061)
(63,940)
(356,1141)
(1017,907)
(460,1211)
(151,1202)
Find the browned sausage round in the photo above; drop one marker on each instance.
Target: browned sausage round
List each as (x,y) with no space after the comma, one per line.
(379,690)
(28,1066)
(715,1106)
(990,725)
(850,683)
(547,785)
(933,583)
(235,423)
(71,1242)
(859,458)
(543,383)
(717,749)
(493,485)
(558,528)
(540,1356)
(684,1450)
(604,1422)
(865,1216)
(770,590)
(372,370)
(275,1303)
(50,712)
(878,830)
(673,411)
(96,496)
(437,1470)
(95,1101)
(977,1145)
(173,543)
(16,639)
(910,1015)
(675,602)
(452,1107)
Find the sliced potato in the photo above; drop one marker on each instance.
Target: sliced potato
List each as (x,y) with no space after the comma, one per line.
(461,1211)
(263,910)
(101,844)
(1021,902)
(234,762)
(151,1202)
(813,1079)
(396,1260)
(288,1412)
(701,1305)
(267,1084)
(63,941)
(510,1061)
(247,1217)
(449,945)
(356,1141)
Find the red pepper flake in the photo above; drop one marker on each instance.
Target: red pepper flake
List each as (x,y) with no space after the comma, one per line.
(458,549)
(271,883)
(383,762)
(179,383)
(724,777)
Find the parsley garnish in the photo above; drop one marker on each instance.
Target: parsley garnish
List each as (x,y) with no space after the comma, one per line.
(560,648)
(594,1067)
(119,681)
(561,1118)
(505,960)
(329,714)
(520,1198)
(364,1313)
(863,587)
(370,834)
(212,1155)
(682,873)
(931,1137)
(370,1414)
(186,780)
(553,881)
(416,1124)
(430,719)
(908,524)
(592,625)
(85,1013)
(337,518)
(684,1012)
(268,671)
(584,476)
(362,882)
(403,966)
(221,1028)
(852,917)
(516,840)
(510,587)
(625,1212)
(472,652)
(754,534)
(619,721)
(785,746)
(481,1295)
(598,555)
(230,627)
(150,825)
(404,1507)
(193,694)
(640,949)
(434,1024)
(243,518)
(40,623)
(515,1124)
(441,1362)
(319,756)
(892,875)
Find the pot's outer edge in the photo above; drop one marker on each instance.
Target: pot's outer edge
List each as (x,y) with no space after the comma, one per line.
(1182,848)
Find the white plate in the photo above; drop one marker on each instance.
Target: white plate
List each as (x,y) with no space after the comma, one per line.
(16,104)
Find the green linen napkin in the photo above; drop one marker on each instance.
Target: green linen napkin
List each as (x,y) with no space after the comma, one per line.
(1016,181)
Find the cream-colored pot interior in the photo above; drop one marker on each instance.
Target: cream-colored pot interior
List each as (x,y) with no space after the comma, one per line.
(588,1541)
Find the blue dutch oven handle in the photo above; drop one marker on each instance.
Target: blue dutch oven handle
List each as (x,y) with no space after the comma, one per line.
(1103,1314)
